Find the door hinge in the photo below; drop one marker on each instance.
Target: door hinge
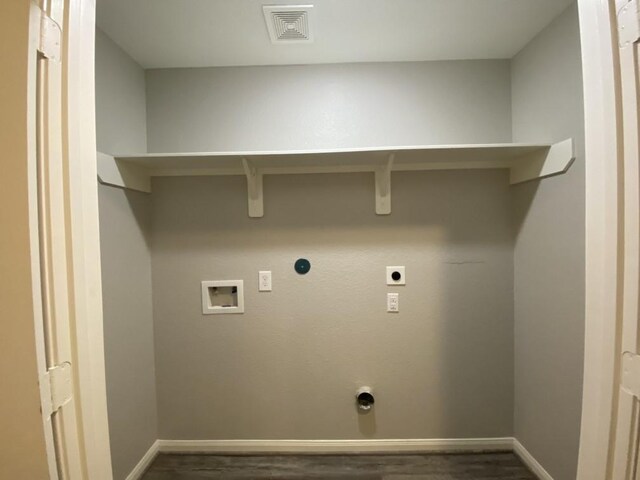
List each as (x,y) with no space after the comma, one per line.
(50,39)
(628,24)
(58,388)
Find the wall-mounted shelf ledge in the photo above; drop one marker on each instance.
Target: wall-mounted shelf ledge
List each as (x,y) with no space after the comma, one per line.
(525,162)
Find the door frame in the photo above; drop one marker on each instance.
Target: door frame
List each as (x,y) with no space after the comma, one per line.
(604,222)
(603,154)
(82,449)
(86,279)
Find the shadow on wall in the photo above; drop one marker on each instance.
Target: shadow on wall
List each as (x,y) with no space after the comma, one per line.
(132,203)
(366,422)
(523,196)
(289,367)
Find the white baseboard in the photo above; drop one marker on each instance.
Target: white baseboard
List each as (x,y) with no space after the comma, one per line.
(530,461)
(144,462)
(336,446)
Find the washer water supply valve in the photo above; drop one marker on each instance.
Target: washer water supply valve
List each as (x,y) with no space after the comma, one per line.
(365,399)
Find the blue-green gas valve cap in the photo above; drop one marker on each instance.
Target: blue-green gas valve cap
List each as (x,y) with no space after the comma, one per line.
(302,266)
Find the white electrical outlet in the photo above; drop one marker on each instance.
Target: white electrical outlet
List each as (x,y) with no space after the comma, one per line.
(395,276)
(393,302)
(264,281)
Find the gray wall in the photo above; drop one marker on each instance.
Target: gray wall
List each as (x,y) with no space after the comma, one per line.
(121,108)
(289,367)
(126,264)
(549,252)
(328,106)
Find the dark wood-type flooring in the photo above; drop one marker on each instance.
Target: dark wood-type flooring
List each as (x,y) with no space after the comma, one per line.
(476,466)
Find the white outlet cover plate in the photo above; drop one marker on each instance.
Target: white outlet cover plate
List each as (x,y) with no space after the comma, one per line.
(393,302)
(391,281)
(264,281)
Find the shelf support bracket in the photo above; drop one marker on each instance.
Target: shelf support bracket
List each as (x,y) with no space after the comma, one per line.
(121,174)
(547,162)
(383,187)
(254,188)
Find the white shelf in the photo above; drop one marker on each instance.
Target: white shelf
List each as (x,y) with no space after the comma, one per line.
(525,162)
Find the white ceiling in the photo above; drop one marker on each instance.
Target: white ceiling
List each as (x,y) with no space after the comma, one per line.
(202,33)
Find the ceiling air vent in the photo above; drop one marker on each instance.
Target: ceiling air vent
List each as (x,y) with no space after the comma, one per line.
(288,23)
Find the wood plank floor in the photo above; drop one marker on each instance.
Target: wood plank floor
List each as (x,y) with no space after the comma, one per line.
(480,466)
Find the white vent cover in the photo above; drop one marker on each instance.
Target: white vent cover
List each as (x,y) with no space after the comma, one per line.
(288,23)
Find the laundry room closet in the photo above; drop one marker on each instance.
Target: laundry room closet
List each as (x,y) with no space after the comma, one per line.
(344,226)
